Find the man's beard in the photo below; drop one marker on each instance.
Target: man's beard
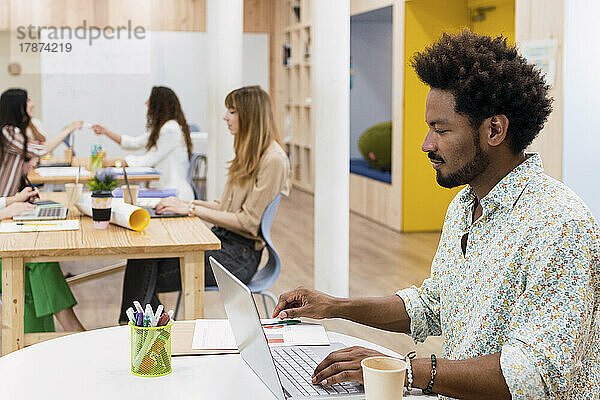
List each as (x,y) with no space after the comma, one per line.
(469,171)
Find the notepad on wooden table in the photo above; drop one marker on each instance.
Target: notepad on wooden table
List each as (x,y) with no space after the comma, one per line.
(182,338)
(39,226)
(216,334)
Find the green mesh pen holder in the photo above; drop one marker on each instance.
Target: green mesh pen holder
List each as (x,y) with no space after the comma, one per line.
(151,350)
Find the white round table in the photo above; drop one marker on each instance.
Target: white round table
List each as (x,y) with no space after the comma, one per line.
(96,365)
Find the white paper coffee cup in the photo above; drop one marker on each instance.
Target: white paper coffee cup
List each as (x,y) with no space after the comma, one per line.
(383,377)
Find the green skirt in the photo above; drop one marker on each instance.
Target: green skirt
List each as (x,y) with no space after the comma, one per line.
(46,292)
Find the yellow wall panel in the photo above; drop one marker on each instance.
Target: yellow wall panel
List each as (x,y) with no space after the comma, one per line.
(501,20)
(424,201)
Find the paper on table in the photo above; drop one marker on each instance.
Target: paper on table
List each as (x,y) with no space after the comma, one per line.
(134,171)
(149,193)
(122,214)
(40,226)
(216,334)
(60,171)
(304,334)
(213,334)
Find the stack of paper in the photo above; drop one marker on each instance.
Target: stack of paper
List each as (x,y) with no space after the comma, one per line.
(149,193)
(216,334)
(213,334)
(134,171)
(61,171)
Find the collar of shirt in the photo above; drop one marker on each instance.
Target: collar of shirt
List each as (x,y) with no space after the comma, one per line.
(506,192)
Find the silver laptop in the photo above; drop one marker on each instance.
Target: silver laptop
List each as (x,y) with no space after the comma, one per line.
(45,210)
(286,371)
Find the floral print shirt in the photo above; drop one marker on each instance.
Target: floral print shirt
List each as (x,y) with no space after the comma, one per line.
(528,286)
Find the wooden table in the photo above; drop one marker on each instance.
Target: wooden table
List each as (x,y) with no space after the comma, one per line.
(36,179)
(185,238)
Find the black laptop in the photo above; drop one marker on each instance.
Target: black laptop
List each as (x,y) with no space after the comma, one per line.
(166,214)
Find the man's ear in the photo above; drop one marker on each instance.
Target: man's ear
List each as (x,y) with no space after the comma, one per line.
(497,129)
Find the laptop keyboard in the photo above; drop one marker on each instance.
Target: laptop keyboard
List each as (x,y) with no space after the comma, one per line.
(298,364)
(50,212)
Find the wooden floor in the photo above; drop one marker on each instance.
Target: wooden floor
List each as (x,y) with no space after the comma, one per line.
(381,262)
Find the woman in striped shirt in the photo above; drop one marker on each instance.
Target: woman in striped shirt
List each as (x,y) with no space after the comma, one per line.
(21,142)
(46,291)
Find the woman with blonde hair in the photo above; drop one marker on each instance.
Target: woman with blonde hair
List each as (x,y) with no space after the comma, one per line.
(259,171)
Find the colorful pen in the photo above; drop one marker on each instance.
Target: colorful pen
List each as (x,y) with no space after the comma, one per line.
(148,313)
(35,223)
(163,320)
(139,319)
(138,306)
(155,318)
(31,199)
(130,315)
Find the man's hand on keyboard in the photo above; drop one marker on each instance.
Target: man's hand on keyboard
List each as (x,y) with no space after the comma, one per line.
(343,366)
(304,302)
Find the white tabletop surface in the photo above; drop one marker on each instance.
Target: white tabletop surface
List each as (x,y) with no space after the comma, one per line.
(95,365)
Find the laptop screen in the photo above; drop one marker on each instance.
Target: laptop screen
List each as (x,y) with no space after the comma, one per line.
(246,327)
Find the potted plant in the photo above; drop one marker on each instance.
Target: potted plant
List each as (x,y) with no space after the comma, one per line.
(101,187)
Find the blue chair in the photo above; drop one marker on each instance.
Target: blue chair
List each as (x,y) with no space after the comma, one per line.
(197,170)
(265,277)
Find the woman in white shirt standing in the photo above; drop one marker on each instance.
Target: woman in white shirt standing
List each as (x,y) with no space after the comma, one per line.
(167,142)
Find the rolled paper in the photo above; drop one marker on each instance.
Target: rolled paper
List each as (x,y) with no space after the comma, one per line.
(122,214)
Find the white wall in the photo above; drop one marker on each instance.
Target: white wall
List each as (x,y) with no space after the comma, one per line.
(371,93)
(581,139)
(116,100)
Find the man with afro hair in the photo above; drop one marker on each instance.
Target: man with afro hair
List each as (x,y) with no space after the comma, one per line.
(514,290)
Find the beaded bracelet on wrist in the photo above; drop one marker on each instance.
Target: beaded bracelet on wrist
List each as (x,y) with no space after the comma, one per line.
(429,388)
(409,372)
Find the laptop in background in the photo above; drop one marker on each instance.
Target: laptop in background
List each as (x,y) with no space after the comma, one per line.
(45,210)
(285,370)
(166,214)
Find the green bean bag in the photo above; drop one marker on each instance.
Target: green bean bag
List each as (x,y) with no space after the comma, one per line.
(375,144)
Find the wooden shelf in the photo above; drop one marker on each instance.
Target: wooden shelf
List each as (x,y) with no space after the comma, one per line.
(306,105)
(299,26)
(294,109)
(304,145)
(305,64)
